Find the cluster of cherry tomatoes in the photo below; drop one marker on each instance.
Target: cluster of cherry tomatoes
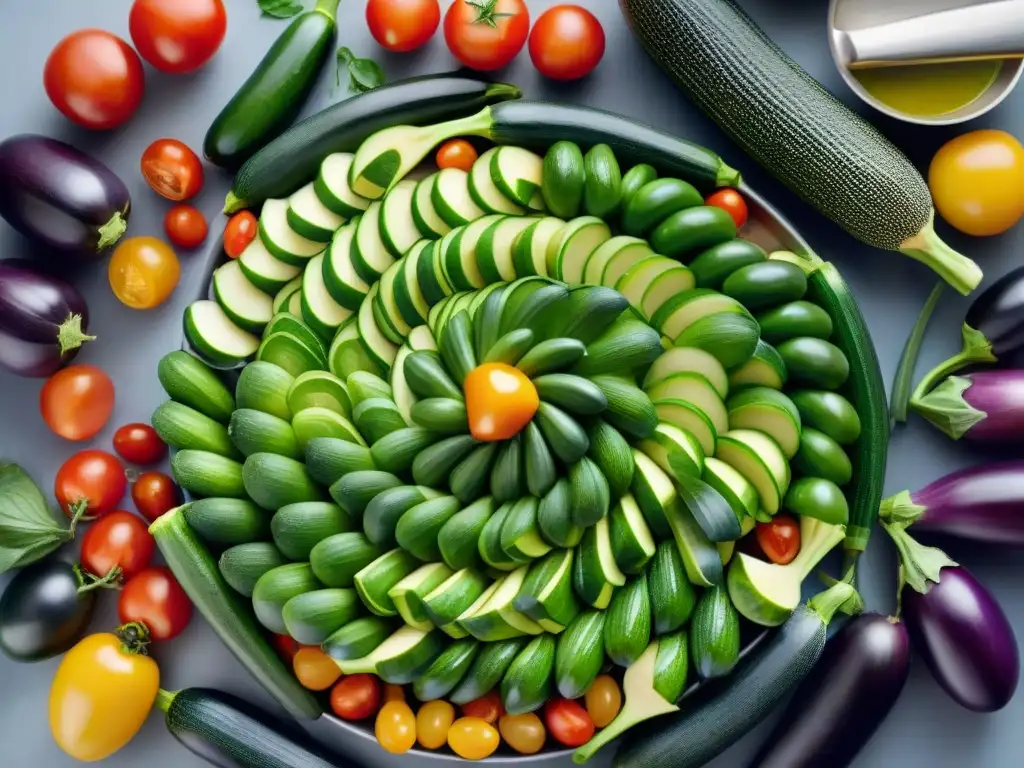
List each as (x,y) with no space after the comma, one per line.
(566,43)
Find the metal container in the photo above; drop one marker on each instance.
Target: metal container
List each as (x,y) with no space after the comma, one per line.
(848,15)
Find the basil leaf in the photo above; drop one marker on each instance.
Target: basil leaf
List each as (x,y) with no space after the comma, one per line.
(364,74)
(28,530)
(280,9)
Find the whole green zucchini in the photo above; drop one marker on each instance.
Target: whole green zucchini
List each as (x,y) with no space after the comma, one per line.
(276,90)
(294,157)
(225,730)
(785,119)
(228,614)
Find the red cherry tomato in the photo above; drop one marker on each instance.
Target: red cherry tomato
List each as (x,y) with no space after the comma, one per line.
(118,540)
(186,226)
(567,42)
(96,477)
(154,494)
(356,697)
(732,202)
(488,707)
(779,539)
(139,444)
(568,722)
(177,36)
(457,153)
(239,232)
(486,34)
(94,78)
(76,402)
(172,169)
(402,25)
(285,646)
(155,598)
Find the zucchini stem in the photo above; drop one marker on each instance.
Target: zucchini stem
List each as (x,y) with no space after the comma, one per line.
(975,349)
(328,8)
(164,699)
(908,361)
(955,268)
(818,540)
(826,604)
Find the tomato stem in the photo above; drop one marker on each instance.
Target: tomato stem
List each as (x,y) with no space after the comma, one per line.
(134,637)
(88,581)
(111,232)
(70,334)
(486,13)
(77,510)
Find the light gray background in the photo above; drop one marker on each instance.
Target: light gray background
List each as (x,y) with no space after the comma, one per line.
(926,728)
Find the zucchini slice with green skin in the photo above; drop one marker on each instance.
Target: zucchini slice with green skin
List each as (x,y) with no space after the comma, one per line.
(672,596)
(227,614)
(242,565)
(496,618)
(547,594)
(319,389)
(418,528)
(185,428)
(354,490)
(332,187)
(397,226)
(520,533)
(676,451)
(588,493)
(447,670)
(386,508)
(654,202)
(765,368)
(400,659)
(602,190)
(209,474)
(484,190)
(527,683)
(215,337)
(297,528)
(487,670)
(428,220)
(566,438)
(829,412)
(766,284)
(634,180)
(627,623)
(507,472)
(517,173)
(711,267)
(470,477)
(358,638)
(227,521)
(256,432)
(454,596)
(821,456)
(277,587)
(309,217)
(564,176)
(579,655)
(375,581)
(337,559)
(769,411)
(269,273)
(436,462)
(554,516)
(595,573)
(248,307)
(633,544)
(314,616)
(190,382)
(814,362)
(715,634)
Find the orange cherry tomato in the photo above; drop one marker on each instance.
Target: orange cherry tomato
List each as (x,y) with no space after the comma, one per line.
(143,272)
(241,230)
(732,202)
(457,153)
(95,477)
(395,727)
(779,539)
(356,697)
(186,226)
(473,739)
(524,733)
(500,401)
(76,402)
(433,721)
(603,700)
(488,707)
(315,669)
(139,443)
(568,722)
(155,494)
(393,693)
(172,169)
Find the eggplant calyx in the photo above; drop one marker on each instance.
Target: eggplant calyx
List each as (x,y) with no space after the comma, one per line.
(975,348)
(233,203)
(900,510)
(70,334)
(164,699)
(955,268)
(919,565)
(111,232)
(134,637)
(826,604)
(946,408)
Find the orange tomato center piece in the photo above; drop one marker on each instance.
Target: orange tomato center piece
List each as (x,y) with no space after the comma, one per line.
(500,401)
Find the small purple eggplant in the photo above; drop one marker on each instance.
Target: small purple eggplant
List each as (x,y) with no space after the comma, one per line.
(983,503)
(66,202)
(987,406)
(838,708)
(43,321)
(963,636)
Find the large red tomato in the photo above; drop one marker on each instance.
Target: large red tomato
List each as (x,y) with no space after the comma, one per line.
(177,36)
(120,540)
(94,78)
(486,34)
(402,25)
(155,598)
(96,477)
(567,42)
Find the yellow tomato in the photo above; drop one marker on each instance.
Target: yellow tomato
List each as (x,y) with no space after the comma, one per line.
(604,700)
(143,272)
(977,182)
(500,401)
(395,727)
(315,669)
(432,723)
(393,693)
(473,738)
(524,733)
(100,697)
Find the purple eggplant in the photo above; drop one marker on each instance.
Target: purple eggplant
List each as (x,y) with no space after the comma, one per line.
(43,321)
(60,198)
(962,634)
(987,406)
(983,503)
(838,708)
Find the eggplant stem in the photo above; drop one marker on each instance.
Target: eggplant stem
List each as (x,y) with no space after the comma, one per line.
(919,565)
(974,349)
(900,509)
(111,232)
(955,268)
(908,361)
(70,334)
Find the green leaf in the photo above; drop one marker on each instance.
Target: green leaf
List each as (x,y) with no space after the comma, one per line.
(280,9)
(908,362)
(28,531)
(364,74)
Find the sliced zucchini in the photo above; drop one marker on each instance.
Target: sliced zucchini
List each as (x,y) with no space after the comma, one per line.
(428,220)
(654,493)
(734,487)
(212,334)
(688,360)
(693,388)
(675,450)
(374,582)
(264,270)
(700,556)
(580,239)
(632,541)
(689,418)
(517,174)
(289,352)
(667,284)
(758,458)
(494,250)
(281,240)
(497,619)
(287,323)
(460,258)
(454,597)
(765,368)
(452,199)
(397,227)
(319,309)
(682,311)
(769,411)
(284,294)
(530,251)
(310,218)
(401,658)
(547,594)
(485,192)
(409,298)
(382,351)
(638,278)
(624,251)
(248,307)
(370,257)
(333,189)
(348,353)
(319,389)
(408,594)
(340,277)
(595,573)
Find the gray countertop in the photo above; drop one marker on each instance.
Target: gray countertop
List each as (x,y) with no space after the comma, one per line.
(926,728)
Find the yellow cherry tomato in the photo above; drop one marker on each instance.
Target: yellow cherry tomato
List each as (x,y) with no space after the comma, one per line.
(977,182)
(143,272)
(604,700)
(101,695)
(395,727)
(500,401)
(315,669)
(432,723)
(473,738)
(393,693)
(524,733)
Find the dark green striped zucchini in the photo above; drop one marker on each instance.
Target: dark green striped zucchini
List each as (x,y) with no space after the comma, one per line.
(785,120)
